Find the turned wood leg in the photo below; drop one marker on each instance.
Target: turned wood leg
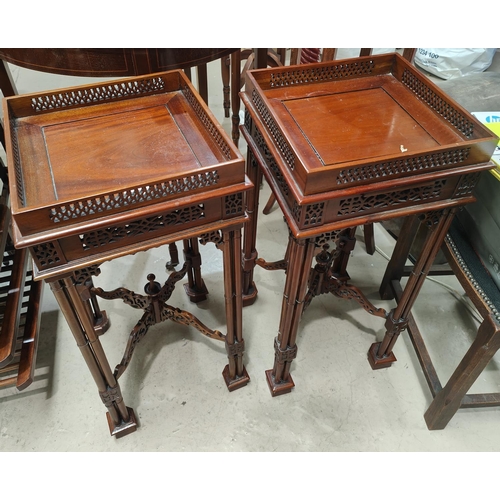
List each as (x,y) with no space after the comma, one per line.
(195,287)
(250,233)
(235,95)
(235,374)
(226,102)
(300,253)
(380,354)
(449,399)
(121,419)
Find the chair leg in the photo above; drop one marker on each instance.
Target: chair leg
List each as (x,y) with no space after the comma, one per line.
(395,268)
(203,82)
(448,401)
(235,96)
(369,238)
(269,204)
(225,85)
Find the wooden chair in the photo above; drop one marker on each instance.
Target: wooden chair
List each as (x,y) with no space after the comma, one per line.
(460,259)
(19,295)
(485,296)
(464,263)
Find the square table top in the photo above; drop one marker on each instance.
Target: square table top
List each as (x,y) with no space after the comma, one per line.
(347,123)
(82,153)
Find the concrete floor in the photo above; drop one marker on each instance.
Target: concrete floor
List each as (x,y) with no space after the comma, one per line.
(174,381)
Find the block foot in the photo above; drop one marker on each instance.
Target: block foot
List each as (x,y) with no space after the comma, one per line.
(250,297)
(102,324)
(124,428)
(277,389)
(196,294)
(237,382)
(375,362)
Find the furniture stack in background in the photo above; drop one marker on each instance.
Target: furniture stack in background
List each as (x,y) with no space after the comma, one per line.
(20,299)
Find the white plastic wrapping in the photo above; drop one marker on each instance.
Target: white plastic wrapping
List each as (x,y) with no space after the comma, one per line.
(453,63)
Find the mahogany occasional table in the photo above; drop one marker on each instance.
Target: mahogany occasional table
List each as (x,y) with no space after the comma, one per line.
(97,172)
(345,143)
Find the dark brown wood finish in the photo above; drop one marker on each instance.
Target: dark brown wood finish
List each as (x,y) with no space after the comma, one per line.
(110,62)
(184,180)
(368,173)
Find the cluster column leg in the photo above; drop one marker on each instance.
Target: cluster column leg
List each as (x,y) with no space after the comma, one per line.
(250,233)
(300,253)
(235,374)
(121,419)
